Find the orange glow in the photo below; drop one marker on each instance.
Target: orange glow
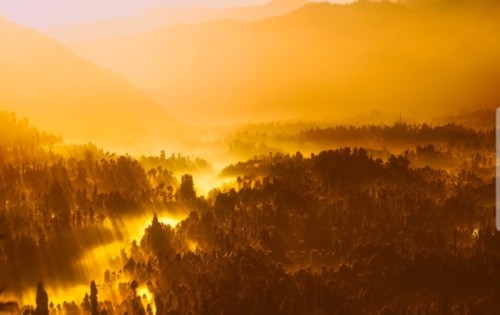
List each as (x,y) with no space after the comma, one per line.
(144,293)
(319,62)
(97,260)
(475,233)
(324,154)
(57,295)
(192,246)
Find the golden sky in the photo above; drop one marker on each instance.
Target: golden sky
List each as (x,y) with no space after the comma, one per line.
(51,13)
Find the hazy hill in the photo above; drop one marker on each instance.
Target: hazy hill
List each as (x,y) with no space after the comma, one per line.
(321,61)
(163,16)
(60,92)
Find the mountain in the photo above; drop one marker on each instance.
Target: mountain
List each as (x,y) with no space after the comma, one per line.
(163,16)
(322,61)
(62,93)
(440,4)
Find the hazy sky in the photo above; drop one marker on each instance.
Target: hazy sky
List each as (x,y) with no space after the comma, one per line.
(47,13)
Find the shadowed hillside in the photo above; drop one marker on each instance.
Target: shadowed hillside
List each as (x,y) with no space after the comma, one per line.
(63,93)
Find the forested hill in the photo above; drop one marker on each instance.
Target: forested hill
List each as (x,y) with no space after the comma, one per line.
(340,231)
(58,201)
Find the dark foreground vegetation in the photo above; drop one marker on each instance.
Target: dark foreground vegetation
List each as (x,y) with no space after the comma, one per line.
(344,231)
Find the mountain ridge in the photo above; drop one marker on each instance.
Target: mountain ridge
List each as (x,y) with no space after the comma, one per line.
(71,95)
(161,16)
(322,59)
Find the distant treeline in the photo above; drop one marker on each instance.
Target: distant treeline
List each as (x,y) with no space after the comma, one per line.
(176,162)
(399,136)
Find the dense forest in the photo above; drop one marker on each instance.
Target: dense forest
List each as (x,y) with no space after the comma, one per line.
(382,219)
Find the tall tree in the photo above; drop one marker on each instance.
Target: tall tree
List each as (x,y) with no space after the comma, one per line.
(86,303)
(42,300)
(186,190)
(157,238)
(93,298)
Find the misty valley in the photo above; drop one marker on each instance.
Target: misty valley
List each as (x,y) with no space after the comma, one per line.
(405,226)
(249,157)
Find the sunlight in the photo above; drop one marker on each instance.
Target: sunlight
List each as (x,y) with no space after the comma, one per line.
(475,233)
(144,293)
(274,158)
(58,294)
(206,182)
(192,245)
(95,261)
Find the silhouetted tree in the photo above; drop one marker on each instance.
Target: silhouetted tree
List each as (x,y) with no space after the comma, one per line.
(86,303)
(42,300)
(59,204)
(157,238)
(93,298)
(186,190)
